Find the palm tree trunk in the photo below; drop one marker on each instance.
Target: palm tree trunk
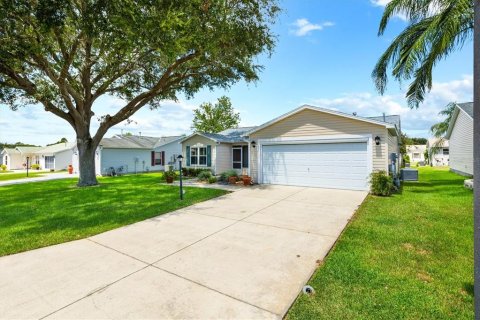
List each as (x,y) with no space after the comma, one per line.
(476,156)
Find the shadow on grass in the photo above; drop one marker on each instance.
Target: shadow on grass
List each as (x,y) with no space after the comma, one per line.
(469,288)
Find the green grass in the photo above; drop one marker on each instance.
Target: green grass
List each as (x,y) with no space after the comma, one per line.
(34,215)
(22,175)
(409,256)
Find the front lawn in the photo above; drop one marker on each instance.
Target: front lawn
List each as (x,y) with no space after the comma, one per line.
(409,256)
(39,214)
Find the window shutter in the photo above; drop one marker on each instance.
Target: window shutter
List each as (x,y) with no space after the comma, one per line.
(163,158)
(153,158)
(209,156)
(188,155)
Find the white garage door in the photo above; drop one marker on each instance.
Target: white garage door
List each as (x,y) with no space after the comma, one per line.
(327,165)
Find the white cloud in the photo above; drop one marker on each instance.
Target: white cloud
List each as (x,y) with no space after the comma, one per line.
(383,3)
(416,122)
(303,27)
(380,3)
(34,125)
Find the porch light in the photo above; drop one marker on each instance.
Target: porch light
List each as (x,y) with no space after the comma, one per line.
(377,140)
(254,144)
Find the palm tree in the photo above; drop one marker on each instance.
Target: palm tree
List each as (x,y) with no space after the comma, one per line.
(439,130)
(436,28)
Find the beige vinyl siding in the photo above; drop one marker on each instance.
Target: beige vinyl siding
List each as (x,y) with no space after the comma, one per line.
(200,141)
(392,144)
(315,123)
(224,158)
(461,144)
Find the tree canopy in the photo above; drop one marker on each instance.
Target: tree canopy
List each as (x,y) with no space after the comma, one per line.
(65,54)
(215,118)
(63,140)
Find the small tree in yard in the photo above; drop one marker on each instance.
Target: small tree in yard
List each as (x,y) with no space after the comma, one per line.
(65,54)
(215,118)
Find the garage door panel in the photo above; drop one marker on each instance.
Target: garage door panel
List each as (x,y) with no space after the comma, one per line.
(315,170)
(332,165)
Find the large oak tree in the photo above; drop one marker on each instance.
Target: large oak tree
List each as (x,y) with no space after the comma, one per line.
(63,55)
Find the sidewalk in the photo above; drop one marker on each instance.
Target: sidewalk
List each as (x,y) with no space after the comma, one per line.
(46,177)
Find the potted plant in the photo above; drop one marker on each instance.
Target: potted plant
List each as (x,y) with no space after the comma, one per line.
(232,179)
(247,180)
(169,176)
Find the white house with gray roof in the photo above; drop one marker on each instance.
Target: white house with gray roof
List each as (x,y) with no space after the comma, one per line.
(308,146)
(55,157)
(132,154)
(460,135)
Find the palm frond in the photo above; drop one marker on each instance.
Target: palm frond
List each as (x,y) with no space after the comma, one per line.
(429,38)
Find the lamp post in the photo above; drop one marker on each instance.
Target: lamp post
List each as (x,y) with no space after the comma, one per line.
(28,158)
(180,158)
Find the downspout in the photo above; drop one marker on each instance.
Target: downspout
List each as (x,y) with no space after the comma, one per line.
(249,158)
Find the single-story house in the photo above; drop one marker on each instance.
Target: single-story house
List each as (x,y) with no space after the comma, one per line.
(132,154)
(55,157)
(460,135)
(416,152)
(308,146)
(438,152)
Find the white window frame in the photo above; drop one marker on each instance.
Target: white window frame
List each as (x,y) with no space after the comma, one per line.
(241,157)
(158,156)
(198,156)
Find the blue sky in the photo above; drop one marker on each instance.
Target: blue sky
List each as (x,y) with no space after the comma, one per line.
(325,53)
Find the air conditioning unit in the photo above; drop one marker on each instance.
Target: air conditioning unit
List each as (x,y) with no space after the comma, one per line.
(408,174)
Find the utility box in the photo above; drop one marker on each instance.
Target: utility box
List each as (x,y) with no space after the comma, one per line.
(408,174)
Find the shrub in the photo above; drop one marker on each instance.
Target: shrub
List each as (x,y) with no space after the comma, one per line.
(35,166)
(381,184)
(204,175)
(212,179)
(3,167)
(170,174)
(227,174)
(192,172)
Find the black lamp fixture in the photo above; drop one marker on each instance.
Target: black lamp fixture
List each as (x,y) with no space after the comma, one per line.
(377,140)
(180,158)
(254,144)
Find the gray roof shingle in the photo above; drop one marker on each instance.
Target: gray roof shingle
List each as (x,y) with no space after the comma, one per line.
(136,142)
(467,107)
(392,119)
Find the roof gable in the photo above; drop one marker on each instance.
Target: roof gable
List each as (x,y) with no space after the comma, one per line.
(318,109)
(466,108)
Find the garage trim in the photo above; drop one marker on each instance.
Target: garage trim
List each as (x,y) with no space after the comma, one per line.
(315,139)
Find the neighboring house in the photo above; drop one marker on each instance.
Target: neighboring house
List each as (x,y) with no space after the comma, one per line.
(416,152)
(438,152)
(308,146)
(55,157)
(132,154)
(460,135)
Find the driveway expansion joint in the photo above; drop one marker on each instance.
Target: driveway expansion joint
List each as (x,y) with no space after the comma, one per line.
(217,291)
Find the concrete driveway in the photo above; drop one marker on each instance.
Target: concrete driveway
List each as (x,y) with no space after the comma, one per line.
(245,255)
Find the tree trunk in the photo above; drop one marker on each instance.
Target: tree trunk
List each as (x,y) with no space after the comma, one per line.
(476,156)
(86,161)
